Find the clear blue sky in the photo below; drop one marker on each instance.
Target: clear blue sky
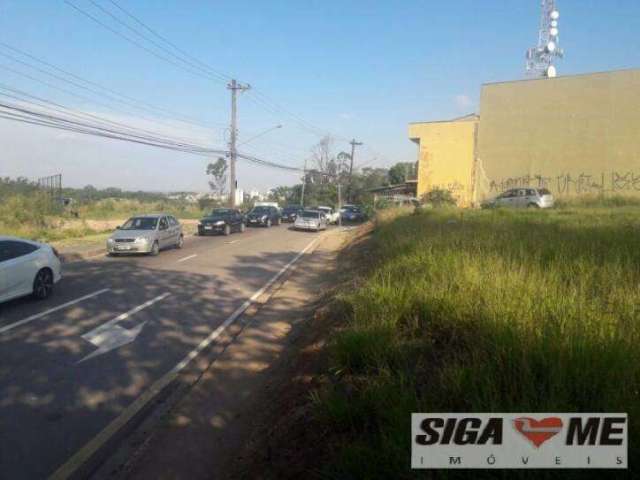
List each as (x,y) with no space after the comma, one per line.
(362,69)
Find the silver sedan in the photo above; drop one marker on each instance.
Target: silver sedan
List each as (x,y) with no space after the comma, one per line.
(314,220)
(146,234)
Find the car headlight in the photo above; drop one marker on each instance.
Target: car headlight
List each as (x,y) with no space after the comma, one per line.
(264,217)
(220,222)
(109,240)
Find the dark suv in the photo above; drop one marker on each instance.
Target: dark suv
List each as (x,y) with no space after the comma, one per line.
(222,220)
(291,212)
(263,216)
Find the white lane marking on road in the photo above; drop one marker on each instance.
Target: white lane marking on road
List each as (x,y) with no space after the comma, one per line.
(6,328)
(109,336)
(187,258)
(232,242)
(133,311)
(239,311)
(85,453)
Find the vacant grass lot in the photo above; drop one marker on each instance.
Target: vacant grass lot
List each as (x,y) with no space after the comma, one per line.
(485,311)
(24,216)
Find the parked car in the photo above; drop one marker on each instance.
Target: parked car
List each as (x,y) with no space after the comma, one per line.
(146,234)
(311,220)
(351,213)
(264,216)
(291,212)
(332,216)
(27,268)
(222,220)
(522,198)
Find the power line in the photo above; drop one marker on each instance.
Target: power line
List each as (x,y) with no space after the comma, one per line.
(157,110)
(258,98)
(25,115)
(153,42)
(21,96)
(292,160)
(74,94)
(168,42)
(138,44)
(58,120)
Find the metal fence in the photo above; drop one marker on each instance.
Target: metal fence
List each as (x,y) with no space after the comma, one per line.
(51,187)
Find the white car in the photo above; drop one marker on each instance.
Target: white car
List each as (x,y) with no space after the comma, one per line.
(27,268)
(313,220)
(332,216)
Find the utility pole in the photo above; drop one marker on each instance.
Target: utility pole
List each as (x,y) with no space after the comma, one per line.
(304,182)
(339,204)
(234,86)
(353,144)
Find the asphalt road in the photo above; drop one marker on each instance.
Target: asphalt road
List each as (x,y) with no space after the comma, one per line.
(63,379)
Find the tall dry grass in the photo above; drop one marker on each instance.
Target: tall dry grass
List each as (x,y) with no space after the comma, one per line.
(485,311)
(29,216)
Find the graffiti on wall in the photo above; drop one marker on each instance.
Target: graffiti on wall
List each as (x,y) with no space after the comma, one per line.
(572,183)
(451,186)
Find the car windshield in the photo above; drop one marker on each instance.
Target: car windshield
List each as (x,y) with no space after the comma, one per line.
(140,223)
(310,214)
(260,210)
(324,209)
(290,209)
(221,212)
(544,191)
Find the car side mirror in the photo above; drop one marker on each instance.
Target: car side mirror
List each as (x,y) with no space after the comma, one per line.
(118,227)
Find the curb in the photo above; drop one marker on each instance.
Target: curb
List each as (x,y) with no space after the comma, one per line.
(70,257)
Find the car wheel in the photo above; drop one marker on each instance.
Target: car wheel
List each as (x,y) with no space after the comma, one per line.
(533,205)
(43,284)
(180,243)
(227,230)
(268,224)
(242,227)
(155,249)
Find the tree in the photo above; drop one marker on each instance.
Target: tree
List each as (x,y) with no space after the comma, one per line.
(324,159)
(282,194)
(401,172)
(218,172)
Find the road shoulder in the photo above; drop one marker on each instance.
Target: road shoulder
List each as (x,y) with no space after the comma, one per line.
(201,436)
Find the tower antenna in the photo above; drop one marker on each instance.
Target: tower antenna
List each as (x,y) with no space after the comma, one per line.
(540,59)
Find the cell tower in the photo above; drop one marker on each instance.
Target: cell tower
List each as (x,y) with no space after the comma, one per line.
(540,58)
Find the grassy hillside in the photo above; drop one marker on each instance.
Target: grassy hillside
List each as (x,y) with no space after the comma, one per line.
(483,311)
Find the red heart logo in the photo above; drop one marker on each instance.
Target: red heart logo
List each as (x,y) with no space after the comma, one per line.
(538,431)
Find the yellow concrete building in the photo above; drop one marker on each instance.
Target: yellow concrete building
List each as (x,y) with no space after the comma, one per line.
(574,135)
(446,156)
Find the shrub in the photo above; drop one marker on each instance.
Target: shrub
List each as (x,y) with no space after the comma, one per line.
(439,198)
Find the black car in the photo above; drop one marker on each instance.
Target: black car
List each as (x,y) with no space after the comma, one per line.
(291,212)
(222,220)
(263,216)
(352,213)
